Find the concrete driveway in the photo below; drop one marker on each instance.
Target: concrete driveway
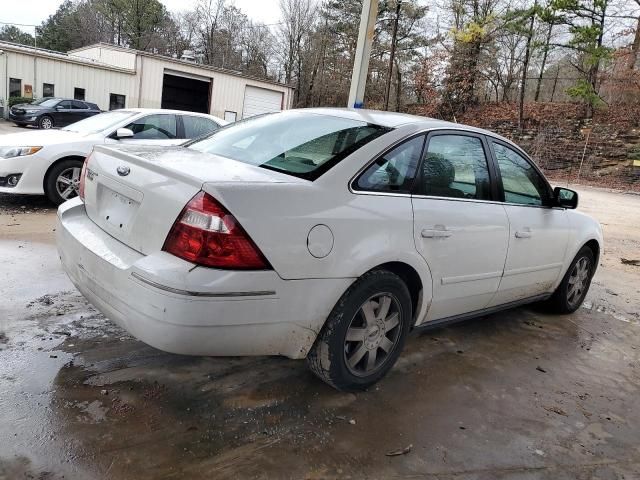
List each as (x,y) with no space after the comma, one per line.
(516,395)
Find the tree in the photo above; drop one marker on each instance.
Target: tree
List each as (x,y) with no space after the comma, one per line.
(10,33)
(586,23)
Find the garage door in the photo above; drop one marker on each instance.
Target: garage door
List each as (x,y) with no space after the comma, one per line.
(260,100)
(185,93)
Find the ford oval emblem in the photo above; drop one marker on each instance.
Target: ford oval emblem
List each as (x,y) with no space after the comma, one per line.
(123,171)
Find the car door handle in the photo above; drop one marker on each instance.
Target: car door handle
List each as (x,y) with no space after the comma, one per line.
(434,233)
(526,233)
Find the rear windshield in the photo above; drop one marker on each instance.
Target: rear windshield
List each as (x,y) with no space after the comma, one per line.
(301,144)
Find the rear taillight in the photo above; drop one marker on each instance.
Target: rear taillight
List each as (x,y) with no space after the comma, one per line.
(207,234)
(83,177)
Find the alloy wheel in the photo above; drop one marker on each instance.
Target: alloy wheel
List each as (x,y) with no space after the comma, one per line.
(578,281)
(68,182)
(46,123)
(373,334)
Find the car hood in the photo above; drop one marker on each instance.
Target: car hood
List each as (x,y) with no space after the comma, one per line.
(28,106)
(39,138)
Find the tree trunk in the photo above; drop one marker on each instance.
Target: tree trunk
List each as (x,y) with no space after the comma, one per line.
(394,36)
(525,68)
(398,86)
(633,59)
(544,61)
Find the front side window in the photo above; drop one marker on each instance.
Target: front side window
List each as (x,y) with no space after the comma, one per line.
(15,87)
(66,104)
(48,90)
(116,101)
(302,144)
(395,170)
(154,127)
(78,105)
(521,182)
(195,127)
(454,166)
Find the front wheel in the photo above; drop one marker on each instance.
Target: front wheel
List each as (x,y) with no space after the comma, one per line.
(63,181)
(45,122)
(574,286)
(364,334)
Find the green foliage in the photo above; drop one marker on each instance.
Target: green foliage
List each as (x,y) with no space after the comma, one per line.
(583,90)
(16,100)
(9,33)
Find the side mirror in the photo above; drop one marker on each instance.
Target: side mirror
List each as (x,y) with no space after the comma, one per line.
(565,198)
(59,107)
(124,133)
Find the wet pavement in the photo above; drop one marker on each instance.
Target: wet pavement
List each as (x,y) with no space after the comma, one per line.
(517,395)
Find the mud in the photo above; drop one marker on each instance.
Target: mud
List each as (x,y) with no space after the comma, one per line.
(517,395)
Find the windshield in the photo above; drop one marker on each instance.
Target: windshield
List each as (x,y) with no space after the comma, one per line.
(299,143)
(46,102)
(99,122)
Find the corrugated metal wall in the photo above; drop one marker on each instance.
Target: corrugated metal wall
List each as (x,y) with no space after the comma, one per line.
(65,76)
(227,92)
(144,80)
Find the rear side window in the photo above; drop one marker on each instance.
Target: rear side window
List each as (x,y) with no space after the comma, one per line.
(302,144)
(521,182)
(154,127)
(455,166)
(195,127)
(395,170)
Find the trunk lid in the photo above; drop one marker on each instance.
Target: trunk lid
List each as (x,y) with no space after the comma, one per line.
(136,193)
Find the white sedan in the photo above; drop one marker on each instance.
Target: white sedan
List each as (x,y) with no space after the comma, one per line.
(49,162)
(322,234)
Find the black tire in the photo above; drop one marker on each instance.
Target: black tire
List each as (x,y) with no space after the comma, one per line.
(328,356)
(45,122)
(563,301)
(50,188)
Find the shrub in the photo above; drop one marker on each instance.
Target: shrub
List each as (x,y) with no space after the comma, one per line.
(16,100)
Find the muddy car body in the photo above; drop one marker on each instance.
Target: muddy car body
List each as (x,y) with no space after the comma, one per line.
(326,234)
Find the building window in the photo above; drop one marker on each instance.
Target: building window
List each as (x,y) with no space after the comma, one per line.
(15,87)
(78,93)
(230,116)
(48,90)
(116,101)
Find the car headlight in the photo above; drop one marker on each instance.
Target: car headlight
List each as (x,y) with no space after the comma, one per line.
(11,152)
(31,111)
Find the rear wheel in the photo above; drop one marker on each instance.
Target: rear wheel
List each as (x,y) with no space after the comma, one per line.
(45,122)
(63,181)
(574,286)
(364,333)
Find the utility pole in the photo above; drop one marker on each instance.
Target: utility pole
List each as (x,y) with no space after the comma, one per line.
(392,54)
(363,53)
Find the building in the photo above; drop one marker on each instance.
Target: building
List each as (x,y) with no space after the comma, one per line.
(116,77)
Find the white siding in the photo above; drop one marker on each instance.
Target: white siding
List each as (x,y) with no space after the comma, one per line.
(227,92)
(137,76)
(110,56)
(65,76)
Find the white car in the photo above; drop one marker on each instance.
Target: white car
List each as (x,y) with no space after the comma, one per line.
(323,233)
(49,162)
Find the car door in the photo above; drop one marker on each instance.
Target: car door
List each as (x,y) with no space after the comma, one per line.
(459,228)
(79,111)
(62,113)
(154,129)
(539,232)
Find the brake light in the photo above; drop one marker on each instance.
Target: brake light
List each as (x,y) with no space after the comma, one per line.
(207,234)
(83,176)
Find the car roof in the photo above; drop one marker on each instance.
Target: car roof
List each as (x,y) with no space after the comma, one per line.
(165,110)
(394,119)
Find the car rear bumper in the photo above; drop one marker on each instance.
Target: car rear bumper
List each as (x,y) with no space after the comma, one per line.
(168,304)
